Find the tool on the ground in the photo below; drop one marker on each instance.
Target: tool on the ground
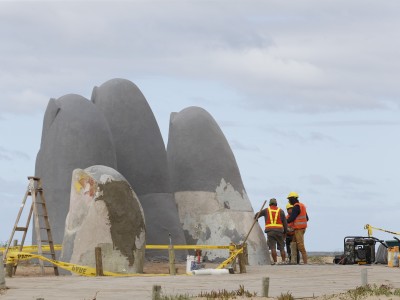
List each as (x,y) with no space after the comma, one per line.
(41,223)
(230,259)
(369,229)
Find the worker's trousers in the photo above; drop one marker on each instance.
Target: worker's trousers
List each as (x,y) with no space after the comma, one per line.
(299,239)
(291,249)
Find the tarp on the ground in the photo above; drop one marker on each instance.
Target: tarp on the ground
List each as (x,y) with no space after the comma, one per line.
(381,256)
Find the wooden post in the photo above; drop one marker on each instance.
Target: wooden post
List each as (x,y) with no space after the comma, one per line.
(15,244)
(99,262)
(232,248)
(2,274)
(364,277)
(245,254)
(242,260)
(10,265)
(171,251)
(242,266)
(265,286)
(156,295)
(9,269)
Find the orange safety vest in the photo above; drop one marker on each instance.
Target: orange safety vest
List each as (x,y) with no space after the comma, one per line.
(290,225)
(274,218)
(301,220)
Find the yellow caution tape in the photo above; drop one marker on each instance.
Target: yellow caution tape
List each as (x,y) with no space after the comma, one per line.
(77,269)
(15,255)
(33,248)
(187,247)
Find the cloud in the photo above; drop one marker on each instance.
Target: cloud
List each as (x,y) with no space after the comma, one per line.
(311,57)
(317,180)
(9,155)
(12,189)
(295,136)
(236,145)
(341,123)
(229,123)
(352,180)
(353,190)
(23,101)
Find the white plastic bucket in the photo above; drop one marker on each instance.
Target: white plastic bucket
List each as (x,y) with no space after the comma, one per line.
(189,262)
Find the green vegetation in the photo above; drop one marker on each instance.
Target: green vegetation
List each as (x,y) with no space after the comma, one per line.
(320,260)
(224,294)
(221,295)
(176,297)
(365,291)
(358,293)
(286,296)
(369,290)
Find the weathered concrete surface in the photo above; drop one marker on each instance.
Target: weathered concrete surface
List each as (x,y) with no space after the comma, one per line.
(141,157)
(300,280)
(212,202)
(157,229)
(2,274)
(199,154)
(104,212)
(75,135)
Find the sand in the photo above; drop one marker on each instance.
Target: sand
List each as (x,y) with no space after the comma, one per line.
(318,280)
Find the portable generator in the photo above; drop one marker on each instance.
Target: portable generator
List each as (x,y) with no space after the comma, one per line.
(359,249)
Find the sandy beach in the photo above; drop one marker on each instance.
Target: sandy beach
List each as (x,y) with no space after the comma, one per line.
(321,279)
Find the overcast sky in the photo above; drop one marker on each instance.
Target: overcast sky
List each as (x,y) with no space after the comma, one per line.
(306,92)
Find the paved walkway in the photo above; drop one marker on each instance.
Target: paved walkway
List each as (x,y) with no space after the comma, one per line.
(300,280)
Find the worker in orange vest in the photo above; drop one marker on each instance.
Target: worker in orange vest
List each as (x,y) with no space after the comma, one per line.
(299,217)
(290,244)
(275,228)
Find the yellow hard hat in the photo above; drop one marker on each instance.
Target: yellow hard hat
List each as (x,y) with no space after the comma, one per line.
(289,206)
(293,195)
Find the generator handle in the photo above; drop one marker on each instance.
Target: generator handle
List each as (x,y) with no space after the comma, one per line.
(367,237)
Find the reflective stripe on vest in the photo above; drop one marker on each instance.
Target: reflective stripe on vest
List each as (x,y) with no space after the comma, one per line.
(274,221)
(301,220)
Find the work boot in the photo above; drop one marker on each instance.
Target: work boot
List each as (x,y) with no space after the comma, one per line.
(305,258)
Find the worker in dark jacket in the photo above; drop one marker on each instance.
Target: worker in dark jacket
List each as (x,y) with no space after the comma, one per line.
(275,228)
(299,217)
(291,247)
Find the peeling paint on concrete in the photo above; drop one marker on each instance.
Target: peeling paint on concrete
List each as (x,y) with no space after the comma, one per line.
(111,218)
(213,206)
(231,199)
(215,225)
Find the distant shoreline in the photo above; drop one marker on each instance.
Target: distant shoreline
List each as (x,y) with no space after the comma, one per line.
(324,253)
